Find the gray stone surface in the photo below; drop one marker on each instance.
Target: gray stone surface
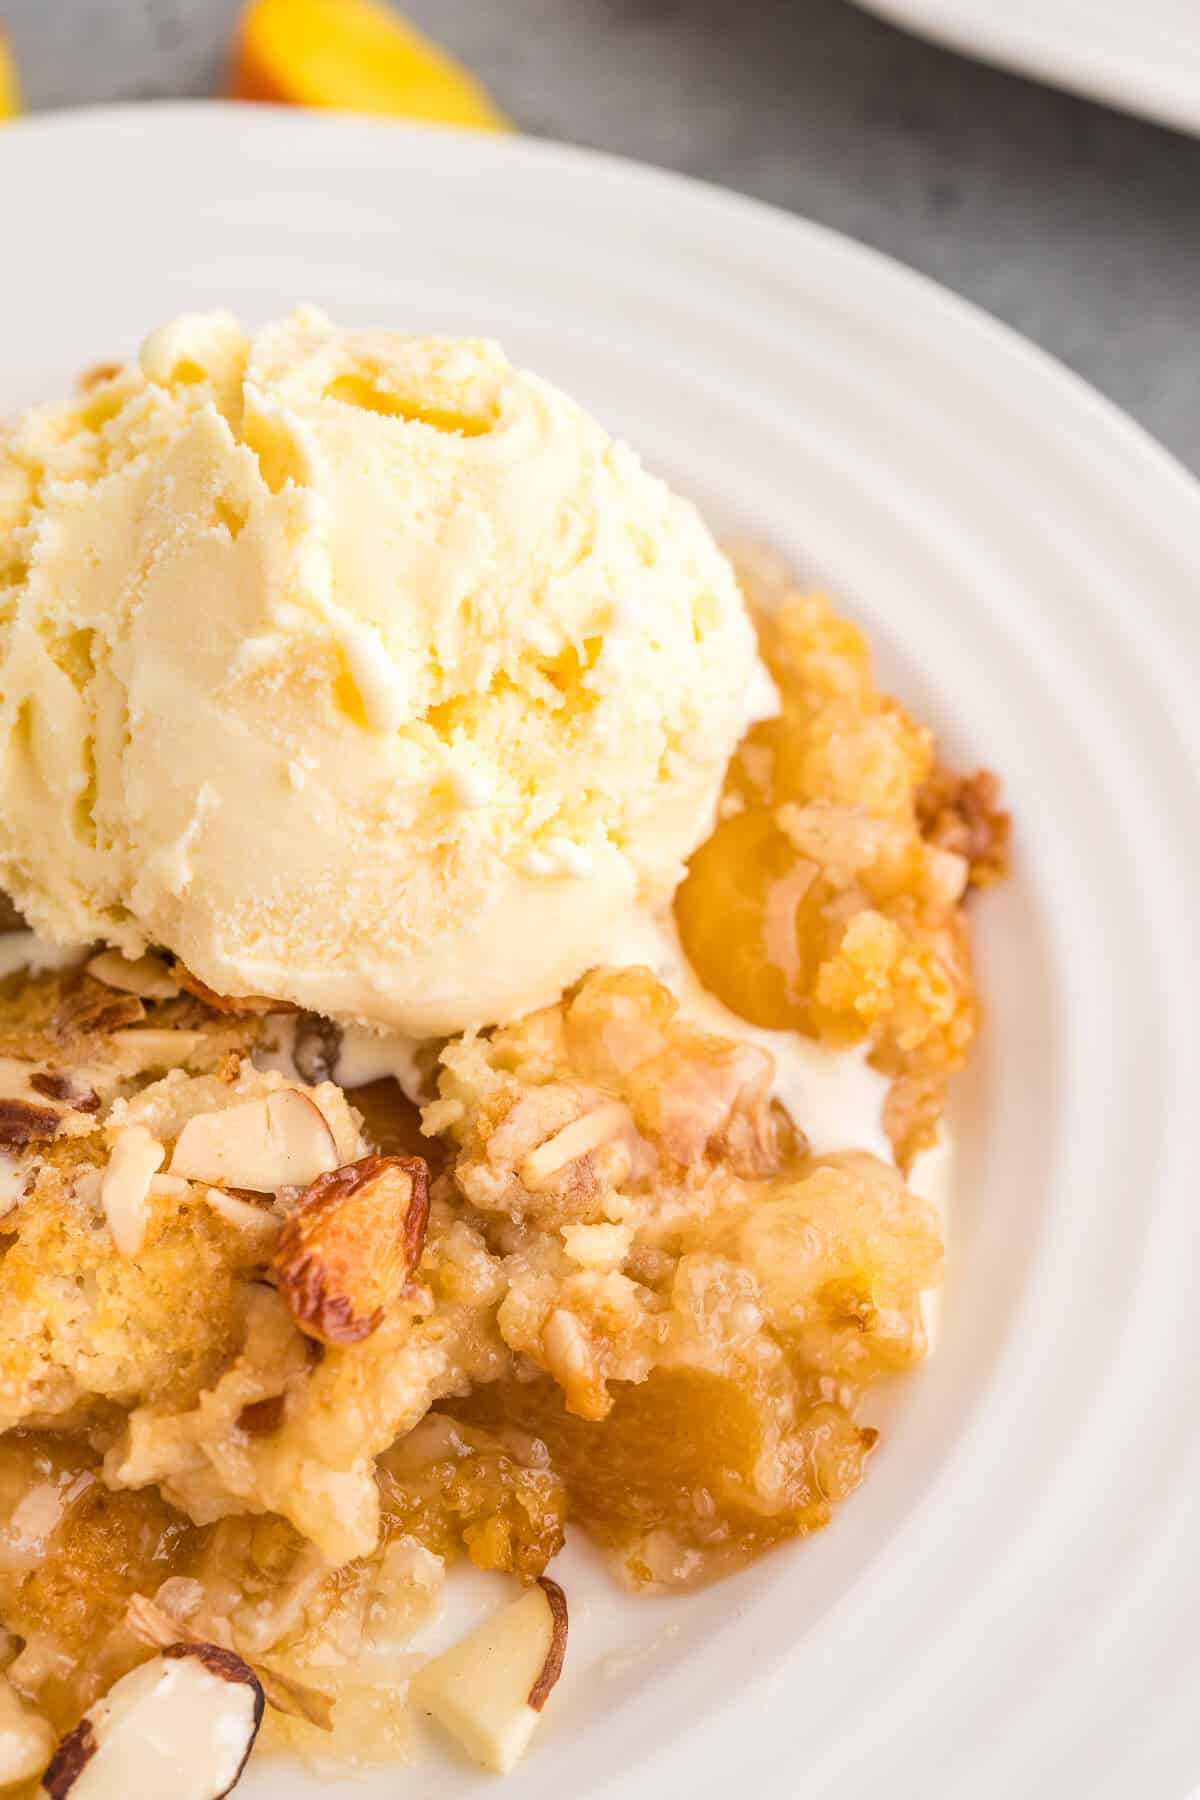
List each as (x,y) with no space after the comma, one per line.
(1077,225)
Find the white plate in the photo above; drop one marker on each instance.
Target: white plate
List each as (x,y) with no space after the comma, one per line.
(1009,1607)
(1140,55)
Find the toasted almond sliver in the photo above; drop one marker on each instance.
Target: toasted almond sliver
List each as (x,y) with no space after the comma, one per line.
(282,1140)
(194,1707)
(69,1090)
(27,1122)
(146,976)
(133,1162)
(154,1048)
(572,1142)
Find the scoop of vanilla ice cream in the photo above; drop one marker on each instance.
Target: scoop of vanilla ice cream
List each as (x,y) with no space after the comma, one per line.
(360,670)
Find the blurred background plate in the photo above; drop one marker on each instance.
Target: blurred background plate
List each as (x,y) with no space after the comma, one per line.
(1140,55)
(1004,1609)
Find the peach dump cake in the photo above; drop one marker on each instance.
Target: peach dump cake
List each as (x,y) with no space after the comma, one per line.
(473,1046)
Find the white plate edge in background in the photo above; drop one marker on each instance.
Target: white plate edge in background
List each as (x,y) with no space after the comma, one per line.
(1122,56)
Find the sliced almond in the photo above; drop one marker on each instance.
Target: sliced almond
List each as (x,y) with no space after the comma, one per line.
(22,1122)
(282,1140)
(68,1092)
(35,1101)
(489,1690)
(227,1003)
(146,976)
(134,1160)
(351,1244)
(90,1008)
(181,1724)
(573,1141)
(153,1048)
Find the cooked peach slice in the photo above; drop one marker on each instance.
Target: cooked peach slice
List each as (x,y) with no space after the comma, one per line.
(353,54)
(10,93)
